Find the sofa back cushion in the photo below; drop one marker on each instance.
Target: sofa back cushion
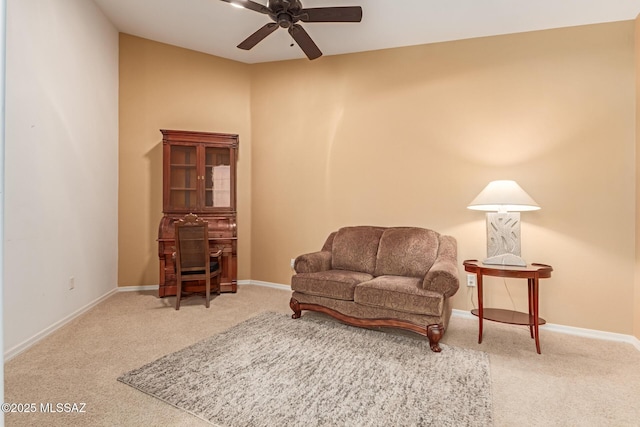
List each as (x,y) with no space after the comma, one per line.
(406,251)
(355,248)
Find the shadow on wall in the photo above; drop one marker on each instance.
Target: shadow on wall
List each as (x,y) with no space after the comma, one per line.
(151,266)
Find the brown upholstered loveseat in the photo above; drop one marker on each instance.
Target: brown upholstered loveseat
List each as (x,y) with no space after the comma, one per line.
(400,277)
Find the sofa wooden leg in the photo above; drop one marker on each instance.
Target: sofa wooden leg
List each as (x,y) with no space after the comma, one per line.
(295,306)
(435,332)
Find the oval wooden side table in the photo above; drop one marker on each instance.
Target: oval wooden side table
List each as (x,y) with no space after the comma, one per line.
(532,273)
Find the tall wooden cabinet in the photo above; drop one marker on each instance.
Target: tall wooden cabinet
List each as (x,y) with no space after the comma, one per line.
(199,176)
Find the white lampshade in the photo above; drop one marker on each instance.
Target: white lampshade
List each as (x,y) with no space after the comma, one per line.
(503,196)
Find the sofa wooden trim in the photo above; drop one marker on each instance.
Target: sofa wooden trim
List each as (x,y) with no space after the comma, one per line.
(434,331)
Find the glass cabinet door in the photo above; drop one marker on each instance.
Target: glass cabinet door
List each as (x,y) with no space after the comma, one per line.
(199,172)
(217,177)
(183,188)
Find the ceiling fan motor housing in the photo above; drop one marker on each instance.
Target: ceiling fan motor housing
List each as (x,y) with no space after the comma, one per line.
(284,20)
(285,13)
(292,6)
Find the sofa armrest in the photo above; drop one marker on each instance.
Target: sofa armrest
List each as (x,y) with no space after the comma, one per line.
(313,262)
(443,275)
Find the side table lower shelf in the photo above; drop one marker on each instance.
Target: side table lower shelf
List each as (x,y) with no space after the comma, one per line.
(508,316)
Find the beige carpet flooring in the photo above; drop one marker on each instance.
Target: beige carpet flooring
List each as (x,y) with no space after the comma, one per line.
(575,382)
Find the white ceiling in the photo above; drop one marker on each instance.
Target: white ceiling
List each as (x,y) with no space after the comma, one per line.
(216,27)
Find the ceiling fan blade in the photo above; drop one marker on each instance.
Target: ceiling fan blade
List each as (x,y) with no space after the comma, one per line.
(248,4)
(332,14)
(258,36)
(304,41)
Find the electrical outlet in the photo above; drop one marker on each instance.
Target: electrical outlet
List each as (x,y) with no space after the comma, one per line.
(293,262)
(471,280)
(72,282)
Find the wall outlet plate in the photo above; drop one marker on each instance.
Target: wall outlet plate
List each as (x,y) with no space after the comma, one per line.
(293,262)
(471,280)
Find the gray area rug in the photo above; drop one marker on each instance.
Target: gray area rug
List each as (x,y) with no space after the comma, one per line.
(272,370)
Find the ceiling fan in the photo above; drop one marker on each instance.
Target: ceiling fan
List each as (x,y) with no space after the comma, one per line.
(287,13)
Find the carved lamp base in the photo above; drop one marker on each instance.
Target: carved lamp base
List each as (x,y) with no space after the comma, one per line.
(503,239)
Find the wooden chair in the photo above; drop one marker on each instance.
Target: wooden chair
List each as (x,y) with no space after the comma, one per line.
(193,259)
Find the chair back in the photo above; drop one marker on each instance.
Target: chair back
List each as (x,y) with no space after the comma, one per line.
(192,245)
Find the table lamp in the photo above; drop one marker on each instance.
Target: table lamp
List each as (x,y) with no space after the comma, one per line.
(503,200)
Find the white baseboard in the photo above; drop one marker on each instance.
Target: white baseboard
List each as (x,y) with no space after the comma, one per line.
(240,283)
(592,333)
(137,288)
(571,330)
(14,351)
(265,284)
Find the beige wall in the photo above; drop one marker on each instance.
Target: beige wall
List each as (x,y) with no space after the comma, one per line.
(408,137)
(165,87)
(636,304)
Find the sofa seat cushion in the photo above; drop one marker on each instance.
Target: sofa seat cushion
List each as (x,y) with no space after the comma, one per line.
(337,284)
(401,294)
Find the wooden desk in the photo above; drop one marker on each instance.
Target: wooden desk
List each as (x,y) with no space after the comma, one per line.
(532,273)
(222,236)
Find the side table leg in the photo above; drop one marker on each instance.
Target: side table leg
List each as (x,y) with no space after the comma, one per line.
(480,308)
(531,310)
(536,319)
